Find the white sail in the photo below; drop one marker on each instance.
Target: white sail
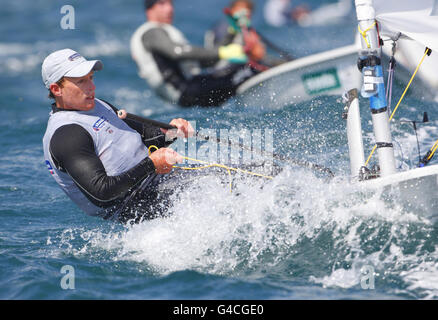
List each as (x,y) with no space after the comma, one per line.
(416,19)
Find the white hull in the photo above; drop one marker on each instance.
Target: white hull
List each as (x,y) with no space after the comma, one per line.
(415,190)
(327,73)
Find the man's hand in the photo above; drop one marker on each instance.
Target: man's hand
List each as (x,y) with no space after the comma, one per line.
(183,129)
(122,114)
(164,159)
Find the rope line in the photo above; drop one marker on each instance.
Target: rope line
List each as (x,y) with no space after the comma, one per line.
(409,84)
(432,150)
(364,33)
(209,165)
(401,98)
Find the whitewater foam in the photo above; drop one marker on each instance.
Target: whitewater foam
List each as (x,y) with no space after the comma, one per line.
(264,226)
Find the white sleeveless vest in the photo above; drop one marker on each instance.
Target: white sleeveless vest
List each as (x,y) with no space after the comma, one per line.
(118,146)
(147,66)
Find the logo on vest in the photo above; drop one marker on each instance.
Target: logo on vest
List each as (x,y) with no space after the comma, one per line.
(99,124)
(49,166)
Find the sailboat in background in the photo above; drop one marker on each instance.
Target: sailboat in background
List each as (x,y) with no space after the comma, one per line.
(326,73)
(334,72)
(415,189)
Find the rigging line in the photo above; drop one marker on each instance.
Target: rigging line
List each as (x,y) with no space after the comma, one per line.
(426,53)
(222,166)
(364,33)
(432,150)
(391,70)
(297,162)
(276,156)
(208,165)
(371,154)
(428,155)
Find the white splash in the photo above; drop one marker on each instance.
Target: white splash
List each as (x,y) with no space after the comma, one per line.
(423,277)
(260,225)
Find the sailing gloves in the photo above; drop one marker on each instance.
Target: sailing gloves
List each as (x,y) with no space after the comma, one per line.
(234,53)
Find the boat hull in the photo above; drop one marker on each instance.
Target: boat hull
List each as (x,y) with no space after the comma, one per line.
(415,190)
(327,73)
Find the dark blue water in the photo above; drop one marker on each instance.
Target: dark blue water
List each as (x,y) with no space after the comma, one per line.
(298,237)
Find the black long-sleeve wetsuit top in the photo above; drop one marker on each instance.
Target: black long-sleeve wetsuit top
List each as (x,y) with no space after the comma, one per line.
(168,54)
(72,149)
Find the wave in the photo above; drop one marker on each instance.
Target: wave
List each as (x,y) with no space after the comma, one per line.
(297,226)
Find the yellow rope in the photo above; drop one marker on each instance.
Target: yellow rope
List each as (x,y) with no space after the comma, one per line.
(432,150)
(209,165)
(364,33)
(371,154)
(409,84)
(401,99)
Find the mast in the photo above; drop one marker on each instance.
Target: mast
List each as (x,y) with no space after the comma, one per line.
(373,85)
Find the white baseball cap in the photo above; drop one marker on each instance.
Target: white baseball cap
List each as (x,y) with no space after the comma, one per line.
(66,63)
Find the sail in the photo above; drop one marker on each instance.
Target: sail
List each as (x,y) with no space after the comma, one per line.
(416,19)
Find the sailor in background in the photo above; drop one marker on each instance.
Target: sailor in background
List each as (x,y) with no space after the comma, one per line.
(173,67)
(99,160)
(238,29)
(279,13)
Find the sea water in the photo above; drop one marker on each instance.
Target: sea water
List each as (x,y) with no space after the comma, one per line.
(297,236)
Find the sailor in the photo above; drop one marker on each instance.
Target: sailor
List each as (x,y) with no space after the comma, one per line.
(238,29)
(172,67)
(278,13)
(99,160)
(227,32)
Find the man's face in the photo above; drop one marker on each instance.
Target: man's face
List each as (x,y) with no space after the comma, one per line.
(162,12)
(78,93)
